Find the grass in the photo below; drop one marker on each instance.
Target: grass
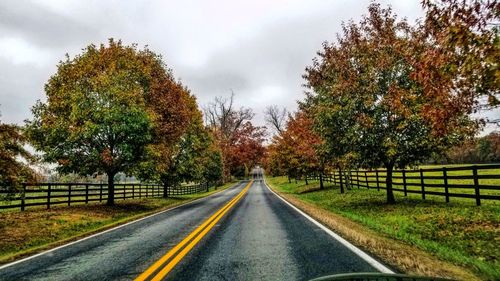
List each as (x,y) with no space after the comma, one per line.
(458,232)
(36,229)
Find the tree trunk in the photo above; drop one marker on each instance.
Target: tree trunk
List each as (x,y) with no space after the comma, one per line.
(165,188)
(111,189)
(306,180)
(388,184)
(321,186)
(341,183)
(289,180)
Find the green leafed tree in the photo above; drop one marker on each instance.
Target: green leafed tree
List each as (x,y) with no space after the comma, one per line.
(104,107)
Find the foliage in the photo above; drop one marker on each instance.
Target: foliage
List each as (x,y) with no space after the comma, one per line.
(480,150)
(240,143)
(461,55)
(366,97)
(244,149)
(189,158)
(296,151)
(104,107)
(14,158)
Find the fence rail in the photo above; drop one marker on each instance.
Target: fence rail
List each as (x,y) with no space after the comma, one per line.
(479,182)
(49,194)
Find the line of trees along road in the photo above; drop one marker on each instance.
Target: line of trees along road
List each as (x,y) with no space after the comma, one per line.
(388,93)
(116,108)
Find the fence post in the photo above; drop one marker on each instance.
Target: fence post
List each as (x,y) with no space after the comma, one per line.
(23,197)
(357,178)
(476,185)
(69,194)
(86,193)
(100,192)
(378,183)
(445,178)
(48,195)
(422,183)
(133,191)
(366,180)
(124,191)
(404,182)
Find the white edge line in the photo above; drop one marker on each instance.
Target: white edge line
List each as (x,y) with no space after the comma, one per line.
(380,267)
(106,231)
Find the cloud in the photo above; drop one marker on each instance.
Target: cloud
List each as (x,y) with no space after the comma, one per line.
(39,25)
(258,48)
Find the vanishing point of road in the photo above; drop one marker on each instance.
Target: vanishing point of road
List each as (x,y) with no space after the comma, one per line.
(243,233)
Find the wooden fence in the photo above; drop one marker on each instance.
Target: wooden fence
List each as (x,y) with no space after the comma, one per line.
(49,194)
(479,182)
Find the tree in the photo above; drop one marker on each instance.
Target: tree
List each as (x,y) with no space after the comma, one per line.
(297,150)
(222,116)
(479,150)
(276,118)
(212,163)
(104,108)
(245,149)
(14,158)
(366,85)
(233,133)
(189,158)
(306,145)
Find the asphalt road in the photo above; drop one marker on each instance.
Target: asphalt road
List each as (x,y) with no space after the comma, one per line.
(260,238)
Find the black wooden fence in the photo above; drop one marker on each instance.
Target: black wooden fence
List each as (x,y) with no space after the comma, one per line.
(49,194)
(474,182)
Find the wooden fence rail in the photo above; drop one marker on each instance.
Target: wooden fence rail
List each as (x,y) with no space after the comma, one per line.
(478,182)
(49,194)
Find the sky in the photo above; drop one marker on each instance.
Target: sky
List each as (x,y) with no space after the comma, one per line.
(258,49)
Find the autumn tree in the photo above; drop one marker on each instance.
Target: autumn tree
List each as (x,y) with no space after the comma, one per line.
(104,108)
(298,150)
(14,158)
(239,141)
(245,149)
(365,84)
(280,157)
(187,159)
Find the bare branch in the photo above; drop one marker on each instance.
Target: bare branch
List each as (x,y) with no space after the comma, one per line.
(221,115)
(276,118)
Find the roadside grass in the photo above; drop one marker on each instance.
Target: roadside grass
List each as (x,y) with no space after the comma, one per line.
(37,229)
(458,232)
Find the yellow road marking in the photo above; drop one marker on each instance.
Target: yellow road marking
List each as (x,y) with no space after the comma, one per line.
(197,234)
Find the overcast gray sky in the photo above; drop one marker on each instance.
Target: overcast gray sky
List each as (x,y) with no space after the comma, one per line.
(257,48)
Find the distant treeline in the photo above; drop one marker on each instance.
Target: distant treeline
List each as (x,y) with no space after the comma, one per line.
(479,150)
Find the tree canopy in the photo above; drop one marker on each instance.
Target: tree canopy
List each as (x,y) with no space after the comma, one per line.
(105,107)
(388,93)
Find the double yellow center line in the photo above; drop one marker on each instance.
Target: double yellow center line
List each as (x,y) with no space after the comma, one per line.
(165,264)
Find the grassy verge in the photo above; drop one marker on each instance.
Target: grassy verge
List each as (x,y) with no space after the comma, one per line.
(34,230)
(457,232)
